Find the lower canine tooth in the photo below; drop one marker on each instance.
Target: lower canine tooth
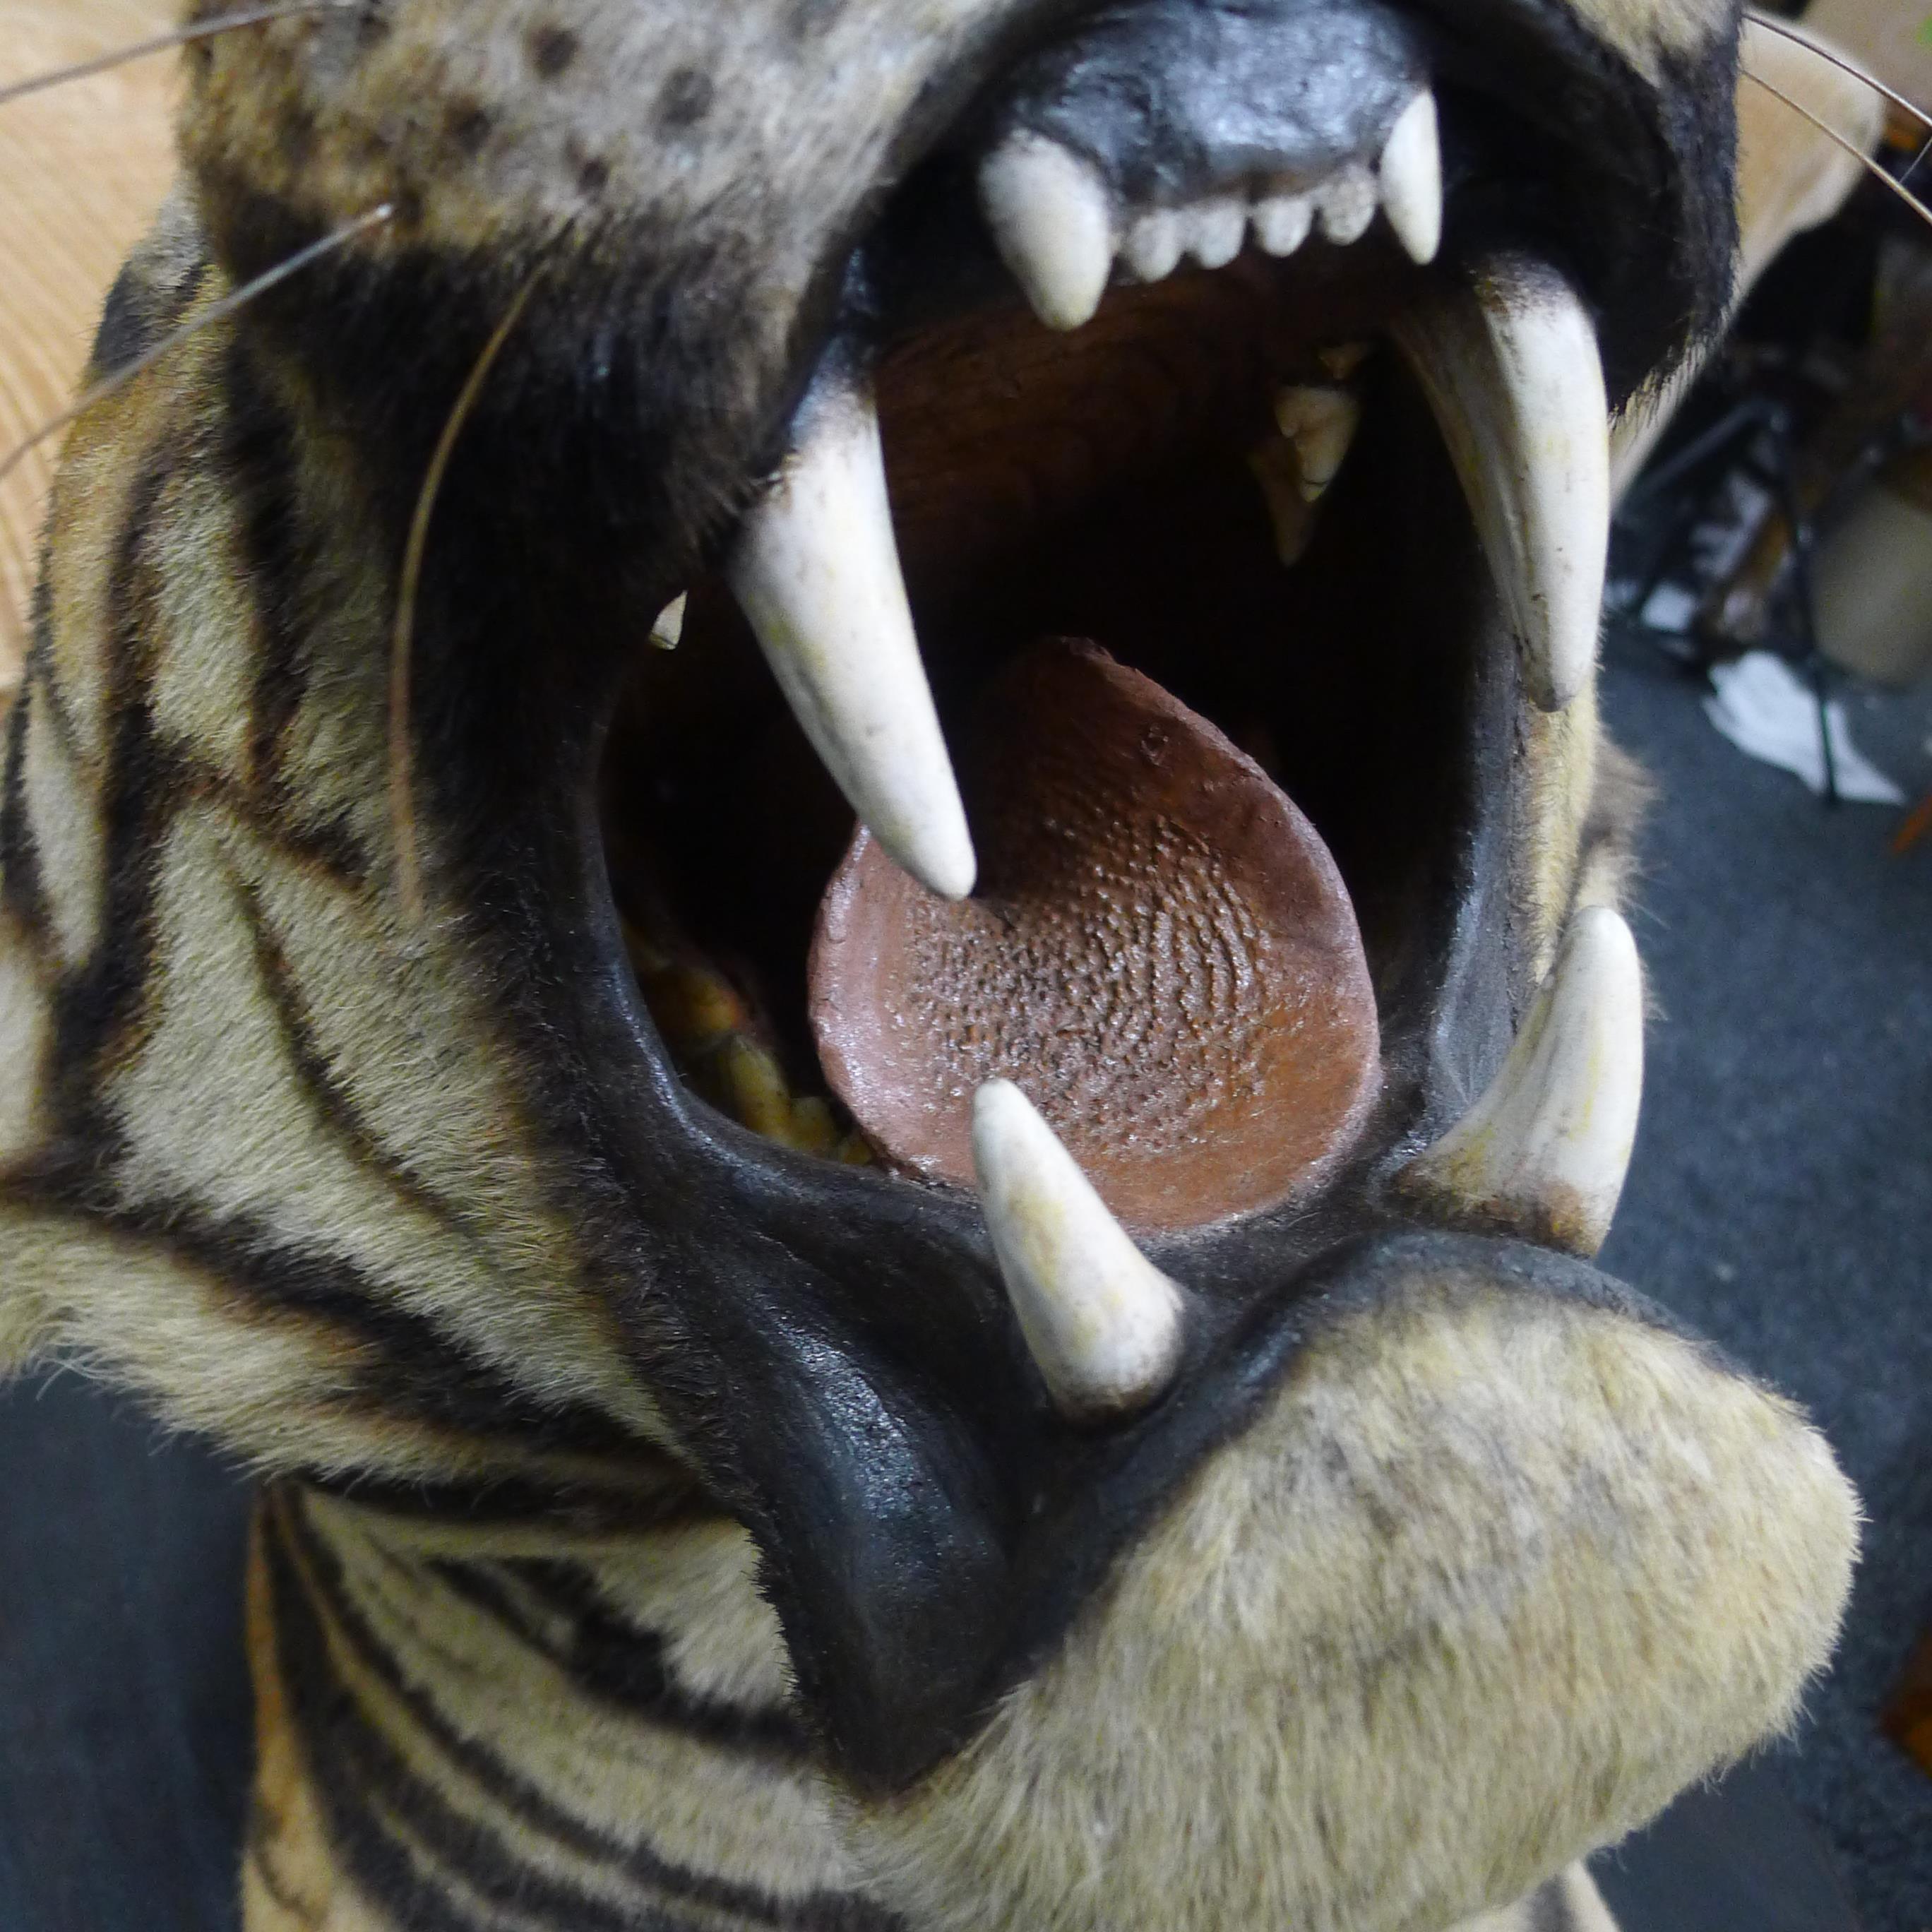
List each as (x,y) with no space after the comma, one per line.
(1509,362)
(1103,1323)
(1411,171)
(1345,204)
(1321,424)
(1544,1151)
(1053,223)
(816,571)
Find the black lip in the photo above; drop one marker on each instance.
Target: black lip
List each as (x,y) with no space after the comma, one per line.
(1169,104)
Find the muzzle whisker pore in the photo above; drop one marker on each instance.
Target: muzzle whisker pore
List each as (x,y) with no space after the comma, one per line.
(231,304)
(1857,153)
(161,43)
(402,815)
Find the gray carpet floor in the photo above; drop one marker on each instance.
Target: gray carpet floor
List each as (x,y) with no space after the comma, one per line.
(1781,1195)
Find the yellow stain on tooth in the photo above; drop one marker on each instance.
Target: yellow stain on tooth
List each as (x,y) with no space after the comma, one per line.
(708,1027)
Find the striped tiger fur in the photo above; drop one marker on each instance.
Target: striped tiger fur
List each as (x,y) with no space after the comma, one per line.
(662,1527)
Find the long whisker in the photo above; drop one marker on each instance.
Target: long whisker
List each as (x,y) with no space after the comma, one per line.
(1852,148)
(1773,25)
(160,44)
(236,298)
(402,779)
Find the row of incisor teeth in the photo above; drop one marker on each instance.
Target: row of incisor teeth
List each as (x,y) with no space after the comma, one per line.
(1543,1152)
(1059,232)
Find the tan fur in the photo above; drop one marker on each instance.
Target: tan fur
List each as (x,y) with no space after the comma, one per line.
(1647,32)
(740,1817)
(1489,1582)
(1573,1893)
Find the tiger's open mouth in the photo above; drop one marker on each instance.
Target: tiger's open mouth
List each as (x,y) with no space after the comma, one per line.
(1168,536)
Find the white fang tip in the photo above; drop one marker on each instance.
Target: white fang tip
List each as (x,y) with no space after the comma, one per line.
(1320,422)
(1053,223)
(816,571)
(1410,173)
(1104,1324)
(1510,366)
(1546,1148)
(669,626)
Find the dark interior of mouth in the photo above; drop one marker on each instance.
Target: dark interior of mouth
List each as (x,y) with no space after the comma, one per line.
(1094,486)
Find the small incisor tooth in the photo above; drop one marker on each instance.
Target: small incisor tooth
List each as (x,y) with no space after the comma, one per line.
(1344,204)
(1281,222)
(1052,221)
(1103,1324)
(1320,422)
(1216,229)
(1155,244)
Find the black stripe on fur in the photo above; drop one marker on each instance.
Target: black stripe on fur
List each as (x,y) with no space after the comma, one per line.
(358,1772)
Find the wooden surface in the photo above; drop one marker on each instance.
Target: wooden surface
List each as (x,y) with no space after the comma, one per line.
(85,166)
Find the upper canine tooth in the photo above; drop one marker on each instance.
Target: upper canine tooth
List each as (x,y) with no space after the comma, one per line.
(1320,422)
(1344,204)
(816,571)
(1053,223)
(1411,171)
(1103,1323)
(1510,364)
(1545,1149)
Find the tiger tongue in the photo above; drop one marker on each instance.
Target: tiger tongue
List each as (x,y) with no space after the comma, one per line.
(1161,953)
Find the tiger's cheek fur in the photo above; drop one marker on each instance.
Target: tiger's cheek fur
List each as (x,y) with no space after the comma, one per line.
(1489,1582)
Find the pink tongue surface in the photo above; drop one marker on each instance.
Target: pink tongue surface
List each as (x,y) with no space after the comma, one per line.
(1161,952)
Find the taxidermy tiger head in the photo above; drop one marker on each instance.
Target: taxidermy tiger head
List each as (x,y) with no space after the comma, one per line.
(1032,1365)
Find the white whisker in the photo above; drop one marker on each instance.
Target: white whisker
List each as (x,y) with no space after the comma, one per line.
(179,37)
(1852,148)
(236,298)
(1784,32)
(402,782)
